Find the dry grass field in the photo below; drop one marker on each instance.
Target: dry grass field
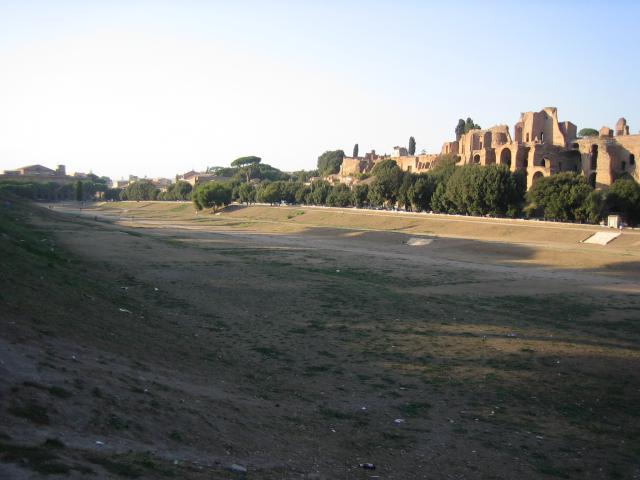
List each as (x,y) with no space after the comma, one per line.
(140,340)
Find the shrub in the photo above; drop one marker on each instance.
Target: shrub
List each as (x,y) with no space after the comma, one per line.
(560,197)
(212,195)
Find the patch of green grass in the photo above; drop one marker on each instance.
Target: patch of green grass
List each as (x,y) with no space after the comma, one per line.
(415,409)
(53,443)
(270,352)
(31,411)
(115,467)
(60,392)
(117,423)
(37,458)
(326,353)
(330,413)
(315,369)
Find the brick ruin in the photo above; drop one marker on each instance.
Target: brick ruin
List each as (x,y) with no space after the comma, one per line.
(541,146)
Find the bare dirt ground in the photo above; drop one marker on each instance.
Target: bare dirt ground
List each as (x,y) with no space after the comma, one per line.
(161,344)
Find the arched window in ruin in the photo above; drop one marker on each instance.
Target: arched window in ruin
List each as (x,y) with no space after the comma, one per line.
(528,138)
(592,179)
(594,157)
(505,157)
(476,158)
(541,137)
(536,176)
(632,159)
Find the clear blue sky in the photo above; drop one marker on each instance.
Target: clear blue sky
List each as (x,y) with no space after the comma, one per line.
(155,88)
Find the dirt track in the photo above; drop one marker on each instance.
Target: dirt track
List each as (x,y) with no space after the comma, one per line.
(300,350)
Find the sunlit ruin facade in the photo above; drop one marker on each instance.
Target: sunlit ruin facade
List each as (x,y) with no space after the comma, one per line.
(540,146)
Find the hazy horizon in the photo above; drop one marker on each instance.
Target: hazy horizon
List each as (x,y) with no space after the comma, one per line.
(159,88)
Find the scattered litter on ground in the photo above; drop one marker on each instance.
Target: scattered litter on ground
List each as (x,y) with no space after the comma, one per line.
(367,466)
(399,420)
(419,242)
(124,310)
(99,443)
(237,468)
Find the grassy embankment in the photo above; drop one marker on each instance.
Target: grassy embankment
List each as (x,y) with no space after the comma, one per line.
(542,384)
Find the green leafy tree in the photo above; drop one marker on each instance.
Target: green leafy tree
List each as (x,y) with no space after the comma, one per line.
(269,192)
(141,190)
(385,188)
(320,190)
(180,190)
(340,196)
(49,191)
(560,197)
(329,162)
(422,192)
(439,200)
(594,208)
(405,191)
(465,127)
(355,151)
(246,164)
(212,195)
(412,146)
(290,190)
(460,129)
(304,175)
(470,125)
(588,132)
(79,191)
(112,194)
(264,171)
(477,190)
(302,193)
(624,197)
(246,193)
(360,193)
(384,166)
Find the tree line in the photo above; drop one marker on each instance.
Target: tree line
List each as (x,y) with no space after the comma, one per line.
(466,190)
(81,190)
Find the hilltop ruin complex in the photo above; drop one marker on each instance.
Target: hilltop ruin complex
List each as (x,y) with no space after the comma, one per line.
(541,146)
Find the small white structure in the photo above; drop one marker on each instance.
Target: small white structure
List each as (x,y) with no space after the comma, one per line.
(614,221)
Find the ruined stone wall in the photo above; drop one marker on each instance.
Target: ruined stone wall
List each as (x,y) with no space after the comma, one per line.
(606,158)
(543,127)
(450,148)
(629,153)
(416,164)
(351,166)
